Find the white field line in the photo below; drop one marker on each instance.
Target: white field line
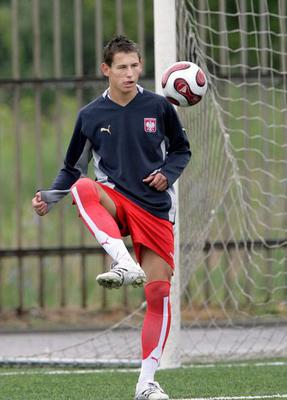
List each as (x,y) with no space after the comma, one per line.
(130,370)
(267,396)
(239,364)
(65,372)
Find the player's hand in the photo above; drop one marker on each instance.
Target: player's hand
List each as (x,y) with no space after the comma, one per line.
(40,207)
(157,181)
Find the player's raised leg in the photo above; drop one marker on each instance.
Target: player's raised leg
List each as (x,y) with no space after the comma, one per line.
(156,324)
(98,212)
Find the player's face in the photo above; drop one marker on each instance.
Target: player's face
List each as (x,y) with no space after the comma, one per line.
(124,72)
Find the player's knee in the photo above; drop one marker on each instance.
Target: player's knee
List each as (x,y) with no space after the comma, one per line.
(86,189)
(155,291)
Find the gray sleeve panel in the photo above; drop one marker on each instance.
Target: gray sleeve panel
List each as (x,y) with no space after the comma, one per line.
(51,197)
(86,156)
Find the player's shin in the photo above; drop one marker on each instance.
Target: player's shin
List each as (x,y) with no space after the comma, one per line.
(155,328)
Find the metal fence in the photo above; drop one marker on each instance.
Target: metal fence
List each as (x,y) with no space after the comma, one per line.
(41,93)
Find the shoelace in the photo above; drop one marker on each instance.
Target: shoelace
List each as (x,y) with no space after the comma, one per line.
(117,269)
(153,386)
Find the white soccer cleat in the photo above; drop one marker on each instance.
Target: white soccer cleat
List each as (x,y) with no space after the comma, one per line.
(150,391)
(122,273)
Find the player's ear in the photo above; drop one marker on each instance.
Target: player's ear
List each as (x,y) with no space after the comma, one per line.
(141,65)
(105,69)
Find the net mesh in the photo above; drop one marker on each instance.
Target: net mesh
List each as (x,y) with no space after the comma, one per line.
(233,203)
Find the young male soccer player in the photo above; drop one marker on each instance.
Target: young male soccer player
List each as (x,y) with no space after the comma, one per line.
(139,149)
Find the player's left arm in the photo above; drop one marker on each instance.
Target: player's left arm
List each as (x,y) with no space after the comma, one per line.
(157,180)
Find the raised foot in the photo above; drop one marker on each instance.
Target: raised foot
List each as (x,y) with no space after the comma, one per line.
(122,274)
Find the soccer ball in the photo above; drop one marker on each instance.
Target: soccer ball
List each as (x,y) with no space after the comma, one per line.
(184,83)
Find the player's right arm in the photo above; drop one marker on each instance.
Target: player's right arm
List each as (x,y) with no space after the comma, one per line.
(75,165)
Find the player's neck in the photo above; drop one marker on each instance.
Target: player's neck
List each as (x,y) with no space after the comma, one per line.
(122,98)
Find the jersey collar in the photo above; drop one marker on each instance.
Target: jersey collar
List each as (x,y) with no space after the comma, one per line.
(106,92)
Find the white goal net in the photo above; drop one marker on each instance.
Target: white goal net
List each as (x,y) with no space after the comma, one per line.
(233,194)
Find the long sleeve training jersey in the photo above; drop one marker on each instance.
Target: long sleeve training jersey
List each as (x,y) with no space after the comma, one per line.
(126,144)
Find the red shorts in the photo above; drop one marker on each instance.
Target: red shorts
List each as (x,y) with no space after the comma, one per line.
(145,228)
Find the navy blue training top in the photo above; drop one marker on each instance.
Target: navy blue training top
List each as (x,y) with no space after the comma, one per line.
(127,143)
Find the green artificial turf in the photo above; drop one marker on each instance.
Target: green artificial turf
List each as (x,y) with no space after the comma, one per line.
(219,380)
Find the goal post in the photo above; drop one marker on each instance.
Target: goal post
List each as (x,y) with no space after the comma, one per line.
(165,54)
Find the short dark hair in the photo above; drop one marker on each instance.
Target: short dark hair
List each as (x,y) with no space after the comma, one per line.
(118,44)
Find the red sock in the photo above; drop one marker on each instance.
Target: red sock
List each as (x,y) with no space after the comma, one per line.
(98,220)
(155,327)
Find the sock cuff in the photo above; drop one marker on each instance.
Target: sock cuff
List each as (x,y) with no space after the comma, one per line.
(155,283)
(157,290)
(87,187)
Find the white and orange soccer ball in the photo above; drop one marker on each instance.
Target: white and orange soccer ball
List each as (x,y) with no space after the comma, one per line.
(184,83)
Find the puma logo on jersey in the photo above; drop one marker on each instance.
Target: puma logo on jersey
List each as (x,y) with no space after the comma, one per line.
(108,130)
